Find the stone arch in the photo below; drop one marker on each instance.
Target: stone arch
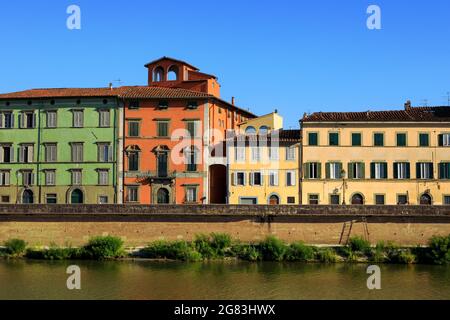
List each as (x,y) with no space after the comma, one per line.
(357,198)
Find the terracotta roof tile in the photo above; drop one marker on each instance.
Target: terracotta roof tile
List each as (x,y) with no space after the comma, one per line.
(142,92)
(413,114)
(60,93)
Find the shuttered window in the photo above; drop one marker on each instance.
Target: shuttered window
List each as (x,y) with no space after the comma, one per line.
(273,178)
(5,178)
(333,170)
(50,177)
(78,118)
(356,170)
(104,118)
(6,120)
(77,152)
(313,170)
(444,170)
(50,152)
(401,170)
(444,140)
(26,153)
(378,170)
(51,119)
(103,177)
(6,153)
(291,178)
(76,177)
(105,152)
(424,170)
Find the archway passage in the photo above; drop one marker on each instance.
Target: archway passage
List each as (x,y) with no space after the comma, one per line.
(163,196)
(77,197)
(27,197)
(357,199)
(218,184)
(274,200)
(425,199)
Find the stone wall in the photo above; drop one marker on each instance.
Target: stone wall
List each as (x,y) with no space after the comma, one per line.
(138,225)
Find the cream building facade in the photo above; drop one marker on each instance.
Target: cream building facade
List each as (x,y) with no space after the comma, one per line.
(376,157)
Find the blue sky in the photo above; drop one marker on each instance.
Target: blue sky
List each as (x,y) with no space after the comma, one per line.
(295,56)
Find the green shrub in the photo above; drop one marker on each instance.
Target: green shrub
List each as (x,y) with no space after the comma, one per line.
(104,247)
(202,244)
(178,250)
(440,249)
(358,244)
(246,252)
(15,247)
(273,249)
(298,251)
(326,255)
(221,243)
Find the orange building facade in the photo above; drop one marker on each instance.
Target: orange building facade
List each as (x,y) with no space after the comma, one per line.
(171,130)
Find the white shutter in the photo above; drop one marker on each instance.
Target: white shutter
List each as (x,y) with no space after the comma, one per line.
(2,174)
(252,178)
(7,178)
(31,179)
(244,179)
(1,155)
(21,153)
(11,154)
(1,120)
(110,153)
(30,154)
(261,177)
(12,120)
(196,128)
(234,178)
(34,120)
(293,178)
(21,120)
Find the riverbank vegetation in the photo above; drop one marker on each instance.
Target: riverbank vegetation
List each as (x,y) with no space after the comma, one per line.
(221,246)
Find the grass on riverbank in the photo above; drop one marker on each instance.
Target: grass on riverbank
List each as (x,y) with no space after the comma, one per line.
(222,246)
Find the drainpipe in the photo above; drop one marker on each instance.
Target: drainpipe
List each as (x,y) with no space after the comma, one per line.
(300,166)
(38,165)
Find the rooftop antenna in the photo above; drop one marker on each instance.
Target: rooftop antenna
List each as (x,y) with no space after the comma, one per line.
(425,103)
(118,81)
(448,98)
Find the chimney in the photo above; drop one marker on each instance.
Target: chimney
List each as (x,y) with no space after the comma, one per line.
(232,101)
(276,111)
(408,105)
(110,86)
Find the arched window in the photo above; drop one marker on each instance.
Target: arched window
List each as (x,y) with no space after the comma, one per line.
(263,130)
(163,196)
(76,197)
(250,130)
(357,198)
(27,197)
(158,74)
(172,73)
(274,200)
(425,199)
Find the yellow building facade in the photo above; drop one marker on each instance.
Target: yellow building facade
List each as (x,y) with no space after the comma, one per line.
(262,124)
(376,158)
(263,169)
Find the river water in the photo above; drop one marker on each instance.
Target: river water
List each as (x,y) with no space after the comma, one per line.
(25,279)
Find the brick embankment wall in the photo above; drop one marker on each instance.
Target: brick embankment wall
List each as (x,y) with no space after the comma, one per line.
(138,225)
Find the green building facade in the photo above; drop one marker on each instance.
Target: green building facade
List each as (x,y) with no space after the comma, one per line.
(58,150)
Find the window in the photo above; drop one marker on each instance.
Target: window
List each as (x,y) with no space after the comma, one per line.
(273,178)
(77,152)
(26,153)
(6,153)
(444,140)
(239,179)
(162,164)
(313,170)
(191,194)
(6,120)
(133,128)
(51,198)
(193,128)
(378,139)
(333,138)
(313,199)
(76,177)
(447,200)
(335,199)
(378,170)
(401,140)
(133,161)
(239,154)
(250,130)
(356,170)
(290,178)
(5,199)
(78,118)
(192,105)
(424,170)
(132,194)
(51,119)
(256,154)
(402,199)
(191,159)
(263,130)
(255,179)
(27,178)
(50,177)
(158,74)
(104,118)
(333,170)
(401,170)
(103,177)
(291,200)
(27,120)
(444,170)
(50,152)
(5,177)
(291,153)
(133,104)
(104,152)
(273,153)
(163,105)
(356,139)
(162,128)
(380,199)
(424,140)
(313,139)
(103,200)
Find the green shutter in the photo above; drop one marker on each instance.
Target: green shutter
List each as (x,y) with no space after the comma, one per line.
(327,170)
(441,140)
(395,170)
(418,170)
(408,170)
(319,170)
(306,170)
(372,170)
(350,171)
(363,170)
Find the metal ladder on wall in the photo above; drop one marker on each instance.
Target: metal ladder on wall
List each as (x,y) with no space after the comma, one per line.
(365,229)
(346,232)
